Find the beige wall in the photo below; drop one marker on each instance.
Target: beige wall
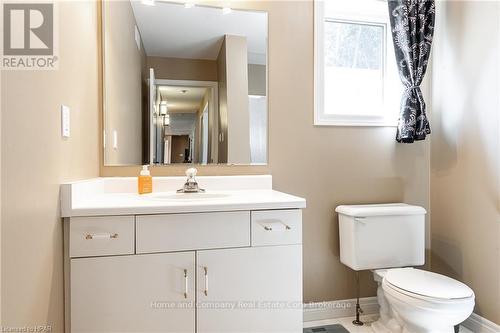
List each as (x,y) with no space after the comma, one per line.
(36,160)
(326,165)
(257,80)
(198,131)
(465,148)
(238,118)
(222,109)
(183,69)
(123,72)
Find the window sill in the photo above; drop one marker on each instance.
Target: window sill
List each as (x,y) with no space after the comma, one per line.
(355,123)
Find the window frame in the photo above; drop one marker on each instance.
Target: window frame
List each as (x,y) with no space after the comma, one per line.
(364,17)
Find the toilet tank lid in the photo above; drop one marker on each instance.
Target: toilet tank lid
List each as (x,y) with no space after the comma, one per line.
(380,210)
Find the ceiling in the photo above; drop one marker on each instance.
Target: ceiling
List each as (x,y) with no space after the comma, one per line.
(169,30)
(182,102)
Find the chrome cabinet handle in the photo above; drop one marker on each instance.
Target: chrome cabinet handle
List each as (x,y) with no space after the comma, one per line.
(268,228)
(205,269)
(186,283)
(101,236)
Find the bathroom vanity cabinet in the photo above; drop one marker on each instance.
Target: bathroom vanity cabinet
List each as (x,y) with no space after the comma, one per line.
(218,271)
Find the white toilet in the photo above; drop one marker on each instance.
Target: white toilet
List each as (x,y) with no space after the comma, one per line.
(389,239)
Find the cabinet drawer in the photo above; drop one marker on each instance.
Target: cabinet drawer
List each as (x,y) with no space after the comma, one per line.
(98,236)
(181,232)
(276,227)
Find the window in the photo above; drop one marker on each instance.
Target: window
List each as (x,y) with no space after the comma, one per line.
(356,79)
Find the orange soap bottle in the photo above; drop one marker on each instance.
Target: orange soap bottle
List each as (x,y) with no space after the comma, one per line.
(145,181)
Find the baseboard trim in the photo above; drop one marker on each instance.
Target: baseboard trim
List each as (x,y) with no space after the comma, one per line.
(339,309)
(478,324)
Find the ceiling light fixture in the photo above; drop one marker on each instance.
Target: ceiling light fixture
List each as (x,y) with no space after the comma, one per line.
(226,10)
(189,5)
(148,2)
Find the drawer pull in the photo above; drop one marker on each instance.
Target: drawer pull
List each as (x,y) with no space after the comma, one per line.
(205,269)
(101,236)
(267,227)
(186,283)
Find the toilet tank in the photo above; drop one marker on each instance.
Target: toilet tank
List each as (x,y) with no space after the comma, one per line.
(381,235)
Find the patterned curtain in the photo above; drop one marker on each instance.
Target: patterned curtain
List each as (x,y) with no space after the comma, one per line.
(412,26)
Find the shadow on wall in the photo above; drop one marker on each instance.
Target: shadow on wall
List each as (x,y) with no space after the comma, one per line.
(454,123)
(57,280)
(465,156)
(410,160)
(452,265)
(444,150)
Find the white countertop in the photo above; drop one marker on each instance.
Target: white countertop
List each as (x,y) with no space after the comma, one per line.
(113,196)
(134,204)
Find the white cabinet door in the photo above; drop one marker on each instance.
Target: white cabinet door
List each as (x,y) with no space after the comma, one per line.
(138,293)
(255,290)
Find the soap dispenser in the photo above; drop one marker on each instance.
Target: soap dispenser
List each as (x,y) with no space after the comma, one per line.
(145,181)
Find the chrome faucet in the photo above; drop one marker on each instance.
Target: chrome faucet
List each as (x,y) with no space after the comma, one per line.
(191,185)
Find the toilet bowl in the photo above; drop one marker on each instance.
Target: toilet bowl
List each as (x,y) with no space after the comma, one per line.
(422,302)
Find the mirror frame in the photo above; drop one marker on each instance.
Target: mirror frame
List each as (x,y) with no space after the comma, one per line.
(102,89)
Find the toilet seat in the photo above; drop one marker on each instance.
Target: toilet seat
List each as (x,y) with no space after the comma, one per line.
(414,312)
(426,285)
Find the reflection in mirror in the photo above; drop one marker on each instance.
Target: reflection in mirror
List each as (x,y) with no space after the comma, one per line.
(184,84)
(182,121)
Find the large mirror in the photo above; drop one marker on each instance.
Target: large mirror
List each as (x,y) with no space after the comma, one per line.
(184,84)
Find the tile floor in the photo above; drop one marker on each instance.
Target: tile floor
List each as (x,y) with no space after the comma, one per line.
(347,323)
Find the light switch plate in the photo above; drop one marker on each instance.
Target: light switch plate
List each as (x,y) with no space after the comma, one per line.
(65,121)
(115,139)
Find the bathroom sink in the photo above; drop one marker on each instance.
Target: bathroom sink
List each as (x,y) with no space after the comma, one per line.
(187,196)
